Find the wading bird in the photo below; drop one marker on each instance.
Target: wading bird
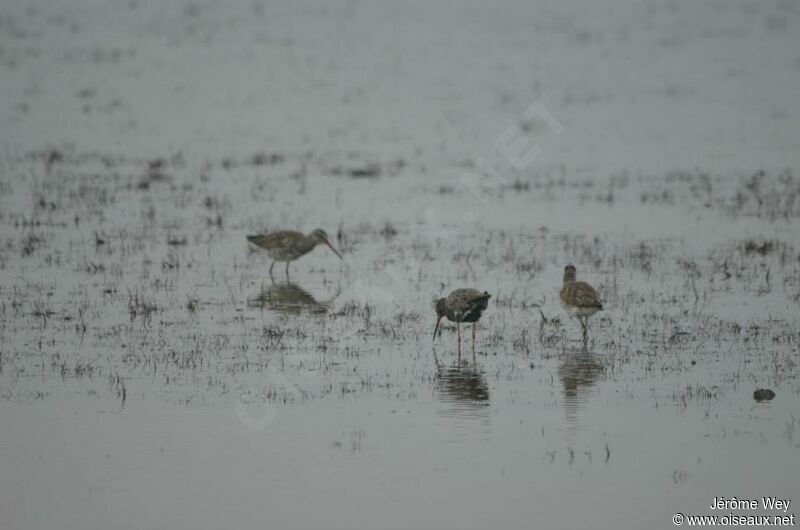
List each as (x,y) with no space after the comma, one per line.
(462,305)
(579,299)
(289,245)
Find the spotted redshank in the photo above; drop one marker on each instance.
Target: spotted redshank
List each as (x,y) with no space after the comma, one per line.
(289,245)
(579,299)
(462,305)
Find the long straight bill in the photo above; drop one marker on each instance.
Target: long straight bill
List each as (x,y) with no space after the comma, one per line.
(437,327)
(334,250)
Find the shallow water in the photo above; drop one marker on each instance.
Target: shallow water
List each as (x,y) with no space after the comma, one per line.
(152,373)
(182,377)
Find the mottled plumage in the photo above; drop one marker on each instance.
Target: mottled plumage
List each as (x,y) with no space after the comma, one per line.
(288,245)
(462,305)
(579,298)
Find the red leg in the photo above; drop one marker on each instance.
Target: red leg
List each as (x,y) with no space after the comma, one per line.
(458,331)
(474,325)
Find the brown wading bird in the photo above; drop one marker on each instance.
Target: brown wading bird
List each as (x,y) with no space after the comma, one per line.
(462,305)
(579,299)
(289,245)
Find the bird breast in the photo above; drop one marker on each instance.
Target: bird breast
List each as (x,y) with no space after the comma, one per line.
(288,252)
(580,295)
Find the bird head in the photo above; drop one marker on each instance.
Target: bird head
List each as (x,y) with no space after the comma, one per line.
(320,237)
(569,273)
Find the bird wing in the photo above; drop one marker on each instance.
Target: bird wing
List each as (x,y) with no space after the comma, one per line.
(462,301)
(274,239)
(581,294)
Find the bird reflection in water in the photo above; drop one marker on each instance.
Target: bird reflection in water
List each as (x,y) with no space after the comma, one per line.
(464,391)
(288,298)
(579,371)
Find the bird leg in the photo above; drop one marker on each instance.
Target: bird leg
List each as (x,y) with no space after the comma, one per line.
(458,331)
(270,269)
(584,323)
(287,270)
(474,325)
